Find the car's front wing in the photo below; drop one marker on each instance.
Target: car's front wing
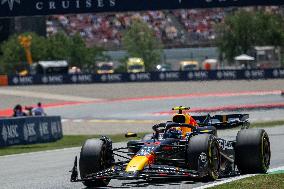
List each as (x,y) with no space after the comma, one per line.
(149,172)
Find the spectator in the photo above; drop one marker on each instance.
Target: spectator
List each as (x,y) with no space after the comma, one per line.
(38,111)
(18,111)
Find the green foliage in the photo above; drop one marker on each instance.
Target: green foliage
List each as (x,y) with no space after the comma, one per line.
(243,30)
(66,142)
(266,181)
(57,47)
(140,41)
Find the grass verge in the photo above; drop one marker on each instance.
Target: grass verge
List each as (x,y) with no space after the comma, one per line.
(273,181)
(267,124)
(77,140)
(66,142)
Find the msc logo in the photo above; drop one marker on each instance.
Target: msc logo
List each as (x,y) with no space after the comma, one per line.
(10,3)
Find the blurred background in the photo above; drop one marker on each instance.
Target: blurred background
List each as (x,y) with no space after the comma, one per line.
(167,40)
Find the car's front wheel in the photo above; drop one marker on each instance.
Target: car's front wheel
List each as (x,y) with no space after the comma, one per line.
(204,148)
(94,157)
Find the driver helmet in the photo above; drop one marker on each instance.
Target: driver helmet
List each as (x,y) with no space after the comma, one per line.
(174,132)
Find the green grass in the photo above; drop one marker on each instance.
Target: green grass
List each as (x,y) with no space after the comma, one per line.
(66,142)
(77,140)
(269,181)
(267,124)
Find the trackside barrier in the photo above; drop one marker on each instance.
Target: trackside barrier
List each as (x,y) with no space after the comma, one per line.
(30,130)
(197,75)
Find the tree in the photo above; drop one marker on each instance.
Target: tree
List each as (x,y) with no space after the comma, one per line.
(13,54)
(57,47)
(243,30)
(84,57)
(140,41)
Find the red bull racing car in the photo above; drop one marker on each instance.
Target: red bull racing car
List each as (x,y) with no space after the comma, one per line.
(186,147)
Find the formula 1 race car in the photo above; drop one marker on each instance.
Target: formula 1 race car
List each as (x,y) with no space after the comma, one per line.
(186,147)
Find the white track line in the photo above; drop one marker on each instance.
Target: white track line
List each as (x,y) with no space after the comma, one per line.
(45,95)
(40,152)
(236,178)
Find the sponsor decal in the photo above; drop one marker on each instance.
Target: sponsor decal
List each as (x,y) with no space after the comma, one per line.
(140,77)
(15,80)
(52,79)
(203,157)
(10,134)
(169,76)
(225,145)
(82,78)
(278,73)
(10,3)
(49,7)
(111,77)
(4,134)
(227,74)
(254,74)
(29,132)
(77,4)
(43,128)
(23,80)
(56,129)
(198,75)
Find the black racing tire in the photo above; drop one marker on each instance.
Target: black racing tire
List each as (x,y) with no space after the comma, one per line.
(252,151)
(147,137)
(93,159)
(207,144)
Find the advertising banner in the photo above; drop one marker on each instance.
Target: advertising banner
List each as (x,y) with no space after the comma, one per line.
(194,75)
(11,8)
(30,130)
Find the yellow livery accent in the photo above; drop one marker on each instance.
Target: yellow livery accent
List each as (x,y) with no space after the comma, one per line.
(205,131)
(224,118)
(137,163)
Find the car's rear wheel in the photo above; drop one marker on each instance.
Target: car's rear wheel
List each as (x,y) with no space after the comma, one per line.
(252,151)
(94,157)
(204,148)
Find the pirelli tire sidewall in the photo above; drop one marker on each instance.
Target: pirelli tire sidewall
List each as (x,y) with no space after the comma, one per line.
(208,144)
(252,151)
(93,158)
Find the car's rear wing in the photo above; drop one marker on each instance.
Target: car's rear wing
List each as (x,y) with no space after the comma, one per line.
(223,121)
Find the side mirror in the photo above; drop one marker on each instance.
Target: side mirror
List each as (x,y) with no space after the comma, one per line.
(128,135)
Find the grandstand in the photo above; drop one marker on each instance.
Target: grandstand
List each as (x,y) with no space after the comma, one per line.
(177,28)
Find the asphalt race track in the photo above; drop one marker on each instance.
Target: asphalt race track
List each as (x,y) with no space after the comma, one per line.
(138,115)
(49,170)
(95,114)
